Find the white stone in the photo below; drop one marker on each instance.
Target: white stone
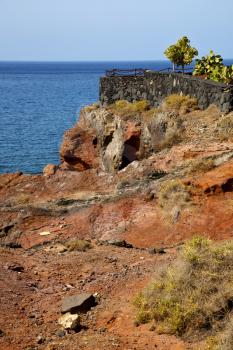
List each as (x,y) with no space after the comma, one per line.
(69,321)
(45,233)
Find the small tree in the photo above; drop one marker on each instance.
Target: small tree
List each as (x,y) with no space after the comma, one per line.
(181,53)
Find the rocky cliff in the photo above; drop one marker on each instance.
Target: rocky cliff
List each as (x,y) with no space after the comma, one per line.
(134,182)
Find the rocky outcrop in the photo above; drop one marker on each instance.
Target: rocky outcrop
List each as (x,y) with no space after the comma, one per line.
(78,151)
(134,184)
(102,139)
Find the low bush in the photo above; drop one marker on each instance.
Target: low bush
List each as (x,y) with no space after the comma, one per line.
(172,193)
(223,340)
(172,137)
(225,128)
(200,165)
(212,67)
(194,295)
(140,106)
(121,104)
(180,104)
(92,107)
(80,245)
(130,107)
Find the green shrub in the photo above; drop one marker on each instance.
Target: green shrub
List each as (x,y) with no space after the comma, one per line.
(213,68)
(207,64)
(181,53)
(194,294)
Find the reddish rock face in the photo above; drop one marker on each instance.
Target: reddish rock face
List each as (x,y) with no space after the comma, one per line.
(108,187)
(79,150)
(218,180)
(50,169)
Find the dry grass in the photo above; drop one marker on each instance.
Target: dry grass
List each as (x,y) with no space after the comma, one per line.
(180,104)
(223,340)
(194,295)
(200,165)
(225,128)
(92,107)
(123,106)
(150,113)
(173,103)
(78,245)
(22,198)
(172,137)
(173,193)
(211,113)
(226,338)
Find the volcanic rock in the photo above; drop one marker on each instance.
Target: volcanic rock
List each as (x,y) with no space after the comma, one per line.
(78,303)
(50,169)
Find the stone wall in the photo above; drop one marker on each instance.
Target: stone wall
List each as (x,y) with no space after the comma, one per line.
(155,86)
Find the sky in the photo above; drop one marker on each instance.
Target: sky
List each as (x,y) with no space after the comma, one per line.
(111,30)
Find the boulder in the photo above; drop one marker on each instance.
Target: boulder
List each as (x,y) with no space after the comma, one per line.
(79,149)
(69,321)
(50,169)
(78,303)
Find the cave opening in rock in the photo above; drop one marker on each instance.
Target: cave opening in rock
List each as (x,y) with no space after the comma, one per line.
(108,140)
(228,186)
(130,152)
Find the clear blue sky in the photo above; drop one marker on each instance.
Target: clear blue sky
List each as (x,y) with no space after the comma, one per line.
(77,30)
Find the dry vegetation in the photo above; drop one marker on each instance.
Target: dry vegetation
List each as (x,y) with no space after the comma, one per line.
(92,107)
(173,193)
(124,108)
(225,128)
(200,165)
(22,198)
(78,245)
(180,104)
(173,103)
(194,296)
(172,137)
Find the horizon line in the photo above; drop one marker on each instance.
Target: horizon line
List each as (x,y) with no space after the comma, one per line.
(81,61)
(89,61)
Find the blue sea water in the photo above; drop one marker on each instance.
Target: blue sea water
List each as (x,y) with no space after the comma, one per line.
(39,101)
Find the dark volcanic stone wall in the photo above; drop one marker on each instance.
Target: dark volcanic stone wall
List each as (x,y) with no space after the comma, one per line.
(155,86)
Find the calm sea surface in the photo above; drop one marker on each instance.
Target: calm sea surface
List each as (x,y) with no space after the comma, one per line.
(39,101)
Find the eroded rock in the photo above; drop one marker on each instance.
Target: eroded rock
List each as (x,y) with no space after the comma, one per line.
(80,303)
(50,170)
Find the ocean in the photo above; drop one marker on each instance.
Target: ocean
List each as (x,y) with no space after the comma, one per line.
(40,101)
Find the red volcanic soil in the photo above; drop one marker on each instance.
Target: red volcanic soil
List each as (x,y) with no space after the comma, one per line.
(81,199)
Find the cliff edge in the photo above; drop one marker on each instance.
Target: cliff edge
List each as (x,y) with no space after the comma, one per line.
(133,184)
